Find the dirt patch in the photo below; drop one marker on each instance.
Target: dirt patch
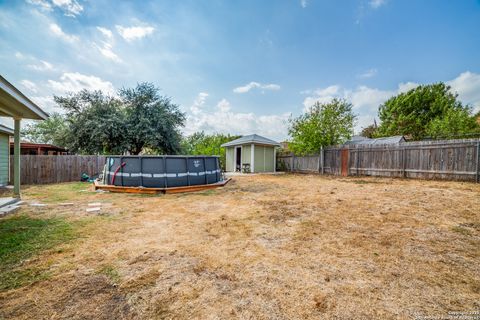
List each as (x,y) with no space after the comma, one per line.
(81,297)
(264,247)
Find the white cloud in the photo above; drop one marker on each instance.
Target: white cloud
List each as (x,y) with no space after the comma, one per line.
(467,85)
(368,74)
(46,103)
(304,3)
(44,5)
(57,31)
(71,7)
(106,47)
(198,103)
(133,33)
(29,85)
(366,100)
(106,32)
(223,120)
(19,55)
(377,3)
(106,51)
(41,65)
(406,86)
(223,105)
(253,85)
(73,82)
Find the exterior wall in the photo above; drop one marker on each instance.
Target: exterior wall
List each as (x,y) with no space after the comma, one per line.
(269,159)
(246,157)
(4,158)
(264,158)
(259,159)
(229,159)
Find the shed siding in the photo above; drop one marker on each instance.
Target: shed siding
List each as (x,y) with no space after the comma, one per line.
(246,154)
(263,157)
(259,159)
(4,156)
(269,159)
(229,159)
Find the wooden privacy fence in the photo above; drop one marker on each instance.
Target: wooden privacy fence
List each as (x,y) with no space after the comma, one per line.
(53,169)
(445,159)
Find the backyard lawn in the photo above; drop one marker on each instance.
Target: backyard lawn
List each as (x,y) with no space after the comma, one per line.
(263,247)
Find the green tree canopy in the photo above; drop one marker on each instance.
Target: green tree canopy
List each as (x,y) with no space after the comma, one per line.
(200,143)
(53,130)
(323,125)
(152,120)
(422,111)
(96,123)
(93,123)
(454,124)
(370,131)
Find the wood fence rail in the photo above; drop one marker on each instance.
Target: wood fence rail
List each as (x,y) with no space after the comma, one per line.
(54,169)
(445,159)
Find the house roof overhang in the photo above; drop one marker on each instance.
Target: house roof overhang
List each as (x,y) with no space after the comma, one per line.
(15,104)
(6,130)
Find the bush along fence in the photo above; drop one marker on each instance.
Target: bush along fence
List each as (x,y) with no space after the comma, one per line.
(441,159)
(53,169)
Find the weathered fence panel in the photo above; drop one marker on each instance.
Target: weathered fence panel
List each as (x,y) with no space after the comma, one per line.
(54,169)
(446,159)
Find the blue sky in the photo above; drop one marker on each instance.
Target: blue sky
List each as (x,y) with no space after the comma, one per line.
(243,66)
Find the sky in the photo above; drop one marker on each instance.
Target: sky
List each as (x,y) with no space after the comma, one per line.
(243,67)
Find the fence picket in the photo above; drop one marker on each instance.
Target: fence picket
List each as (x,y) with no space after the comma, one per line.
(54,169)
(446,159)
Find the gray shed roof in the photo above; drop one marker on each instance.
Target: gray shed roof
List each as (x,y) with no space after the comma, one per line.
(252,138)
(384,140)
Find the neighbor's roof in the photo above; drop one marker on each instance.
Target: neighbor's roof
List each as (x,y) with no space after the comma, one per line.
(5,129)
(15,104)
(384,140)
(252,138)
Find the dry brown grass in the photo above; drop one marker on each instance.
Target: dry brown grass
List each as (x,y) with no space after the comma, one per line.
(263,247)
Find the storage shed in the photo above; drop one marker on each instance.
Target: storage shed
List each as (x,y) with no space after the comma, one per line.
(252,153)
(5,133)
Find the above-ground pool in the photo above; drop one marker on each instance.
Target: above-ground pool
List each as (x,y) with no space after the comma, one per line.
(161,171)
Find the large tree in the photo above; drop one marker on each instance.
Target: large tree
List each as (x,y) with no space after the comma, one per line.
(96,123)
(322,125)
(152,121)
(53,130)
(454,124)
(200,143)
(424,110)
(136,120)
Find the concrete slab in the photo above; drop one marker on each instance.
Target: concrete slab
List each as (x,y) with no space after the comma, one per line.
(5,201)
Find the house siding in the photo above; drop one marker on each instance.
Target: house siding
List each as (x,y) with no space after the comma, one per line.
(4,157)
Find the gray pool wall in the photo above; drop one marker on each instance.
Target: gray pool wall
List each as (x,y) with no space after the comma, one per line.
(162,171)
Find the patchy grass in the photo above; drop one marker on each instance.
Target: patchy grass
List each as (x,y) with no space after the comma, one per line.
(110,272)
(22,237)
(262,247)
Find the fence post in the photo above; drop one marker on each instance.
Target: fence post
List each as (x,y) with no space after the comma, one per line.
(293,162)
(357,153)
(404,162)
(477,178)
(322,151)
